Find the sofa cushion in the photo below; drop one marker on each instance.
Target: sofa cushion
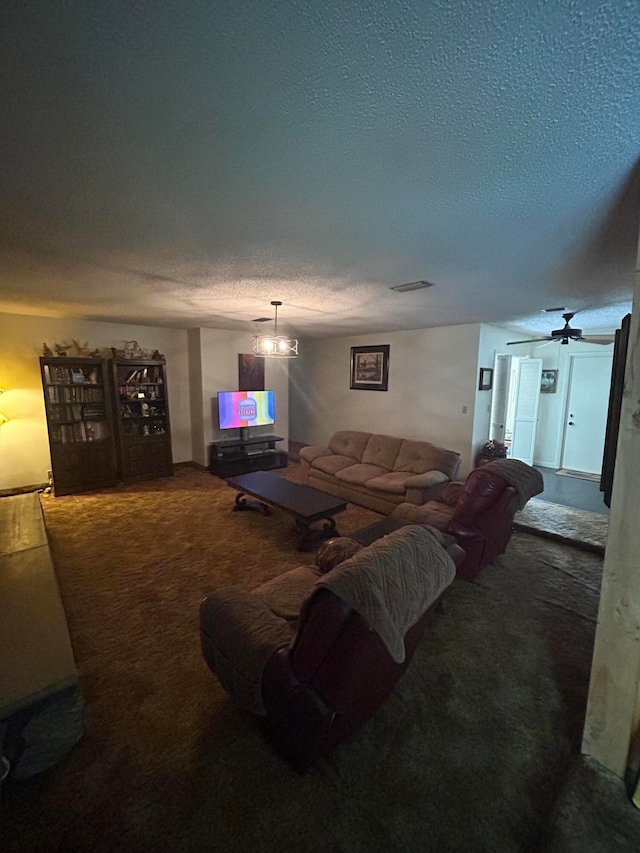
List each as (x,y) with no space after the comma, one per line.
(435,513)
(311,451)
(418,457)
(382,450)
(349,442)
(393,482)
(359,473)
(333,463)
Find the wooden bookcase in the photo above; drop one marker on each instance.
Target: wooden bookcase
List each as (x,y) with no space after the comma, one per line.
(78,409)
(142,427)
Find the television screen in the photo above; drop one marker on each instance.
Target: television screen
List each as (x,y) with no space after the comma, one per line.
(246,408)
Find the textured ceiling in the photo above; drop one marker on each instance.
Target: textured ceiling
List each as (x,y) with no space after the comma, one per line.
(184,163)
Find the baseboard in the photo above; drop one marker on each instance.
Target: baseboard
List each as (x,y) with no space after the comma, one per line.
(195,465)
(539,463)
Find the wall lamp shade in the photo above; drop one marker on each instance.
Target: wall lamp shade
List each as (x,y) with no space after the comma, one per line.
(275,345)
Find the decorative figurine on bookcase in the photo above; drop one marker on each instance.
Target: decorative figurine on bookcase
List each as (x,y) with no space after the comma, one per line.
(46,352)
(82,350)
(61,349)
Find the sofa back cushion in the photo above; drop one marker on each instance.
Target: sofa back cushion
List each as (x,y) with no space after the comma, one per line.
(382,450)
(421,456)
(349,442)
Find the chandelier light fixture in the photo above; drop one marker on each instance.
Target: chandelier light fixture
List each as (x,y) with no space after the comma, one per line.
(275,345)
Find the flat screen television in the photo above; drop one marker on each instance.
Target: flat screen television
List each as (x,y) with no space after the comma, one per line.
(240,409)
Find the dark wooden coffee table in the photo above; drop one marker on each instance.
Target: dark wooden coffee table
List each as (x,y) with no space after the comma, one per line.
(305,504)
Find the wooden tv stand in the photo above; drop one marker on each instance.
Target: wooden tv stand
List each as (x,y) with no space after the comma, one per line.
(229,457)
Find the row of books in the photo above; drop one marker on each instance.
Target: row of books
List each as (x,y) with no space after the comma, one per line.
(73,394)
(76,411)
(54,374)
(80,432)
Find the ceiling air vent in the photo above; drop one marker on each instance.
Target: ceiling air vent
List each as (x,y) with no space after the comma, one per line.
(412,285)
(261,320)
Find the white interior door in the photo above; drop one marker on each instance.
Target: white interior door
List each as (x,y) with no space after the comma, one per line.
(590,380)
(498,418)
(525,417)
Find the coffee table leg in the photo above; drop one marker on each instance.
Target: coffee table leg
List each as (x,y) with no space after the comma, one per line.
(308,536)
(244,505)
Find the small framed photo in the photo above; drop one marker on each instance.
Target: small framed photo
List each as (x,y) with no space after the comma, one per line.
(485,381)
(549,382)
(370,368)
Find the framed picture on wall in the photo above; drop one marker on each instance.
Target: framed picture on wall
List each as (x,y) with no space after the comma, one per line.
(549,382)
(370,368)
(485,380)
(250,372)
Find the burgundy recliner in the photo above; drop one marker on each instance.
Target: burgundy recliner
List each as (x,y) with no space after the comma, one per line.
(478,512)
(305,662)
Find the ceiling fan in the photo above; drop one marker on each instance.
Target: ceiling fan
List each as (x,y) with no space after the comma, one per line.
(568,333)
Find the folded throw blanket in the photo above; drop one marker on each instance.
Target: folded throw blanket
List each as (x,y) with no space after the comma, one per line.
(392,582)
(525,480)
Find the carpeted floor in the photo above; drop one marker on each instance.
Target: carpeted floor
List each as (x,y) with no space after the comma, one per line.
(577,527)
(475,750)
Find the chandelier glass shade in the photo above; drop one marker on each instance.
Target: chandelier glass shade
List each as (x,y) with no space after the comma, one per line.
(275,345)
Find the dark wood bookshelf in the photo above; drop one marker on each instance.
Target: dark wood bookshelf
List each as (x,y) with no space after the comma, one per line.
(79,423)
(142,426)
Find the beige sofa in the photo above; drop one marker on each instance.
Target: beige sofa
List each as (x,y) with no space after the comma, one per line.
(378,471)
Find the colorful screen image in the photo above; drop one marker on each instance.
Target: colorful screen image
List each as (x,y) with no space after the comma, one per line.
(246,408)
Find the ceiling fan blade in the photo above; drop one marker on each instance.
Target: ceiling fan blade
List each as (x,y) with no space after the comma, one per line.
(530,341)
(597,339)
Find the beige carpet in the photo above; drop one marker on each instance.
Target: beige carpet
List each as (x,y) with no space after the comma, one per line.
(468,754)
(577,527)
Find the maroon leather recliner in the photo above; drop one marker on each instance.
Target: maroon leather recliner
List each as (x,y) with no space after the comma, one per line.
(327,684)
(478,512)
(308,664)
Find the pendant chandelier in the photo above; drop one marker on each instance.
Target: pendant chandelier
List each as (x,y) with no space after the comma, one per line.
(275,345)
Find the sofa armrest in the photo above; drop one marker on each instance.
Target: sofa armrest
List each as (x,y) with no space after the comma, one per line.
(239,633)
(313,451)
(421,488)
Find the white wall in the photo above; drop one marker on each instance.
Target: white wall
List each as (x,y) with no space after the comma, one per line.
(433,376)
(215,368)
(24,445)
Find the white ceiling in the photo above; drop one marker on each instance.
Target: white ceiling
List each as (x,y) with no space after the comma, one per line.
(184,163)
